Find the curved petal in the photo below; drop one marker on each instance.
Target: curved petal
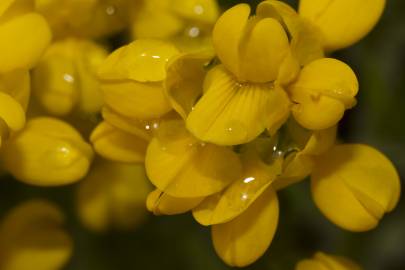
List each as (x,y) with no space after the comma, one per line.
(322,92)
(360,17)
(11,112)
(231,113)
(24,39)
(183,167)
(354,185)
(115,144)
(112,196)
(17,84)
(184,80)
(227,35)
(32,237)
(143,60)
(135,99)
(160,203)
(243,240)
(232,202)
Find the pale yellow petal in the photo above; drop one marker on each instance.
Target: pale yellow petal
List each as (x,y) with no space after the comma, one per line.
(243,240)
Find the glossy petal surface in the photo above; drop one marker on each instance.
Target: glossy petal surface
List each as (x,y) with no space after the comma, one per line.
(243,240)
(160,203)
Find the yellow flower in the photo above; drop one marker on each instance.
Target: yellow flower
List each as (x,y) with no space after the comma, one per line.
(32,237)
(47,152)
(342,23)
(65,78)
(12,116)
(84,18)
(324,89)
(354,185)
(187,23)
(182,166)
(112,196)
(132,77)
(24,35)
(322,261)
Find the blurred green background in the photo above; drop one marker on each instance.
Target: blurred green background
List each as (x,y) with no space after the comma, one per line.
(177,242)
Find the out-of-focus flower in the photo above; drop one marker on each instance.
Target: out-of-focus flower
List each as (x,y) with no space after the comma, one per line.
(186,23)
(354,185)
(24,35)
(113,196)
(32,237)
(65,78)
(322,261)
(47,152)
(360,17)
(84,18)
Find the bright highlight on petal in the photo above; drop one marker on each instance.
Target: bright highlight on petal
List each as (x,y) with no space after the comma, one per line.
(342,22)
(243,240)
(354,186)
(32,237)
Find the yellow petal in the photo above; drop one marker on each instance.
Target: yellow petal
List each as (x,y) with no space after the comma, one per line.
(306,39)
(32,237)
(243,240)
(143,60)
(231,113)
(47,152)
(184,167)
(24,39)
(115,144)
(160,203)
(322,92)
(233,201)
(184,81)
(11,112)
(112,196)
(354,185)
(17,85)
(322,261)
(155,23)
(360,17)
(262,52)
(227,35)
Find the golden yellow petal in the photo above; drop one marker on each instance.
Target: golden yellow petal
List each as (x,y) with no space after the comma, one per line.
(231,113)
(11,112)
(354,185)
(112,196)
(17,84)
(205,11)
(227,35)
(342,22)
(184,81)
(160,203)
(47,152)
(243,240)
(118,145)
(24,39)
(233,201)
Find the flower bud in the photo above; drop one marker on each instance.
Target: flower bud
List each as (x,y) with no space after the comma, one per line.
(48,152)
(354,186)
(32,237)
(65,78)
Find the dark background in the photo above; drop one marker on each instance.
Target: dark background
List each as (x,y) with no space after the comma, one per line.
(179,243)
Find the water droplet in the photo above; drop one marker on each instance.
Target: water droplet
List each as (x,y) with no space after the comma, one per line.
(198,9)
(68,78)
(194,32)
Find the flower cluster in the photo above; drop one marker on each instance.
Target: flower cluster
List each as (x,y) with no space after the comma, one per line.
(217,122)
